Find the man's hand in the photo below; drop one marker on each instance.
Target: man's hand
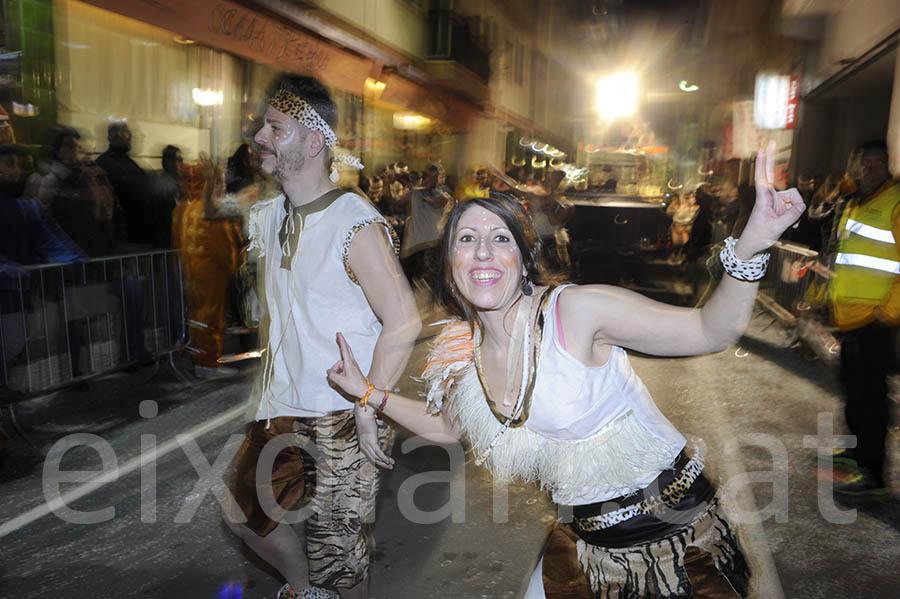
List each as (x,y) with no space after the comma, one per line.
(367,433)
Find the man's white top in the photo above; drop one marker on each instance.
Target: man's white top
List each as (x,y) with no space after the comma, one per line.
(311,302)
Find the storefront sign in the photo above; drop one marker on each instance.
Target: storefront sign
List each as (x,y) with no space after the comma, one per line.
(273,40)
(775,101)
(238,29)
(235,28)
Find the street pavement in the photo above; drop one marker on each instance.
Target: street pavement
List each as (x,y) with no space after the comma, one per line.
(751,407)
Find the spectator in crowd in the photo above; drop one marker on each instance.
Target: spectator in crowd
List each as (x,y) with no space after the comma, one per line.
(164,196)
(724,212)
(242,169)
(27,236)
(229,196)
(422,235)
(395,207)
(7,135)
(130,183)
(374,189)
(550,212)
(683,211)
(79,196)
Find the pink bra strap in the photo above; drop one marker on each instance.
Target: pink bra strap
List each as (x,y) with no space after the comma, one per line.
(559,330)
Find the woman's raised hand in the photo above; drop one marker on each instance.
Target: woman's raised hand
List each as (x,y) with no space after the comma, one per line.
(773,212)
(346,373)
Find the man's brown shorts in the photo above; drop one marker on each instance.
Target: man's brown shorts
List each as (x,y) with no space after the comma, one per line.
(320,476)
(293,473)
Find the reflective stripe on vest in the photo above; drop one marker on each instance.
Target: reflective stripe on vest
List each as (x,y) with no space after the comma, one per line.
(867,264)
(868,231)
(872,262)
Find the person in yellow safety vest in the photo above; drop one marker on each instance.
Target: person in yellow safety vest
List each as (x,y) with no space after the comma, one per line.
(477,184)
(864,296)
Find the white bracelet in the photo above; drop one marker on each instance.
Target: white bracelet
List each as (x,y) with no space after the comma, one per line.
(743,270)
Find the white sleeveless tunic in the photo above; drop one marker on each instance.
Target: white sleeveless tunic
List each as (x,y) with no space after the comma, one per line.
(310,302)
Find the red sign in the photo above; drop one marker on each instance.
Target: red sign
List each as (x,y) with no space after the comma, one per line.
(793,100)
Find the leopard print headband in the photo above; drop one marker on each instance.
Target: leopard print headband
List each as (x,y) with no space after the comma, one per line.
(301,111)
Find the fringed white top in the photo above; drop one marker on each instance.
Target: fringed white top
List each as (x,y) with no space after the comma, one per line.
(592,434)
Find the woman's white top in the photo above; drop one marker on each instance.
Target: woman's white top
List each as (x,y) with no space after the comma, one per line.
(592,433)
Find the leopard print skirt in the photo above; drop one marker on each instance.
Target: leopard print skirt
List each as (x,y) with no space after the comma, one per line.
(675,541)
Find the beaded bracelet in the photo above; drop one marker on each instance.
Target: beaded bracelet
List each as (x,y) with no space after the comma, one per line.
(743,270)
(364,400)
(383,401)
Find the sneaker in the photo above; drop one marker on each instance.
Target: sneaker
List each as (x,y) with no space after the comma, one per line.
(842,457)
(214,372)
(861,483)
(286,592)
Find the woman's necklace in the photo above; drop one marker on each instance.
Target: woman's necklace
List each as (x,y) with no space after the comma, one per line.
(526,386)
(520,334)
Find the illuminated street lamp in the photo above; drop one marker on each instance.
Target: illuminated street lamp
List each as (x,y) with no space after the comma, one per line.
(684,86)
(617,95)
(207,97)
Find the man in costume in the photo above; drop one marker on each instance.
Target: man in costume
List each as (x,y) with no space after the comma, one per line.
(327,263)
(210,252)
(864,294)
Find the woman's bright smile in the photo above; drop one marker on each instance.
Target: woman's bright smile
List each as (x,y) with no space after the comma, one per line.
(487,263)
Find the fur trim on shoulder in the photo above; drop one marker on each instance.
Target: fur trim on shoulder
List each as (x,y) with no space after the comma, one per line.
(451,352)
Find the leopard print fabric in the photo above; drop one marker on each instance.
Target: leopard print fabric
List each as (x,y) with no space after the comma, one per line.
(300,110)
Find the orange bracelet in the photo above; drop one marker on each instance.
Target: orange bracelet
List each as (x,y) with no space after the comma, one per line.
(364,400)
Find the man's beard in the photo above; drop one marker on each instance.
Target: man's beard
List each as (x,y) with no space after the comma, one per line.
(287,164)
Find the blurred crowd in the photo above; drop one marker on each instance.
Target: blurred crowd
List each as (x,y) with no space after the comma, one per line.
(67,206)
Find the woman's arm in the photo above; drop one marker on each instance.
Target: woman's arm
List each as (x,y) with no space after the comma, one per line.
(409,413)
(597,316)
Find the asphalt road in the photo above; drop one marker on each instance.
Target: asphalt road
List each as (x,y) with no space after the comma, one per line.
(161,535)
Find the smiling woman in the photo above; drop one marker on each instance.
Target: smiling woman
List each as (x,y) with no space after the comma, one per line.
(491,259)
(570,411)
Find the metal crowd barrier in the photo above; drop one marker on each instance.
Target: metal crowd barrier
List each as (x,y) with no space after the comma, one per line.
(793,291)
(786,288)
(67,323)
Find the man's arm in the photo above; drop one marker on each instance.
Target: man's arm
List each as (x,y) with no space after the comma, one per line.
(436,197)
(378,271)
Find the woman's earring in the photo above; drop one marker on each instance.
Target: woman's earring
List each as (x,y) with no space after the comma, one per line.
(527,289)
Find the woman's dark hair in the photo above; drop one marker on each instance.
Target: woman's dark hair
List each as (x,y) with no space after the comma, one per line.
(514,217)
